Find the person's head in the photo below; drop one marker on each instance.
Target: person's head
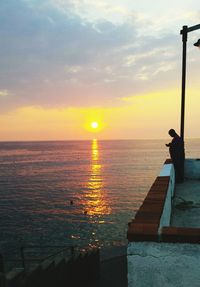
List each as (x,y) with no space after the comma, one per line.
(172,133)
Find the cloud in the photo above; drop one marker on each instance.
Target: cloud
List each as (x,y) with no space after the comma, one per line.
(4,93)
(92,11)
(40,42)
(56,54)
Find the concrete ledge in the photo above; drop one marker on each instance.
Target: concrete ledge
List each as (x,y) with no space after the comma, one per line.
(159,254)
(139,231)
(181,234)
(145,226)
(166,170)
(152,220)
(168,161)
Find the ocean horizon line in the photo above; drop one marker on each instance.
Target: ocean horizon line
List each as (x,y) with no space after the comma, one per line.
(88,140)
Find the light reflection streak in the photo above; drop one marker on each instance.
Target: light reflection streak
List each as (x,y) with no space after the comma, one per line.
(96,202)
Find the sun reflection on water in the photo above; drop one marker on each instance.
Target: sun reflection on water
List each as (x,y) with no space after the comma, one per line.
(96,201)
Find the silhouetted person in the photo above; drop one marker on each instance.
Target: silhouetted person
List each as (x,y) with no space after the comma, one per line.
(176,150)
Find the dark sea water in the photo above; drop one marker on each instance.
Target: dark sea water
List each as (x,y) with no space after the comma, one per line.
(75,192)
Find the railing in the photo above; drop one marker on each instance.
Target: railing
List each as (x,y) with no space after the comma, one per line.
(55,269)
(28,256)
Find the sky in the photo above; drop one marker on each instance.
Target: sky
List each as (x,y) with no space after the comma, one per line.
(67,63)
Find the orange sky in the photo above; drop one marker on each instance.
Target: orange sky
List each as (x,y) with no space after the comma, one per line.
(144,116)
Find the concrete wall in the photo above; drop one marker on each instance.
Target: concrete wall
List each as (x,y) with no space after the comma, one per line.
(192,168)
(167,170)
(162,263)
(149,263)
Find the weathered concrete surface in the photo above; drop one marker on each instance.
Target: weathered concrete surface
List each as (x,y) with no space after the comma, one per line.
(186,204)
(166,264)
(192,168)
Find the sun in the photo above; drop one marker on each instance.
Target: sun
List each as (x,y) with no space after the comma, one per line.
(94,125)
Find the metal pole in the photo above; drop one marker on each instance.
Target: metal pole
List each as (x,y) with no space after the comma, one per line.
(2,272)
(22,257)
(1,264)
(184,32)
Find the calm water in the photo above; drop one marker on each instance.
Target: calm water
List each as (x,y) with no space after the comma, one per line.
(105,180)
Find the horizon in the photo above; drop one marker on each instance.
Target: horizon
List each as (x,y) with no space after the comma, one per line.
(94,139)
(67,65)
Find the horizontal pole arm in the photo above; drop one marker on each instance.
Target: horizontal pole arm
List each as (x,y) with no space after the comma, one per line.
(192,28)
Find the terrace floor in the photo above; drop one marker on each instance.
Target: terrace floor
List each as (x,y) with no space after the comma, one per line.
(186,204)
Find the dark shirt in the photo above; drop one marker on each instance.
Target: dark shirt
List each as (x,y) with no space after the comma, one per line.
(176,149)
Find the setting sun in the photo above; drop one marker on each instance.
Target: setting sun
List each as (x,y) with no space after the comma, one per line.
(94,121)
(94,125)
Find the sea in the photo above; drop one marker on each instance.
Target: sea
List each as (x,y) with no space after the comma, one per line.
(80,193)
